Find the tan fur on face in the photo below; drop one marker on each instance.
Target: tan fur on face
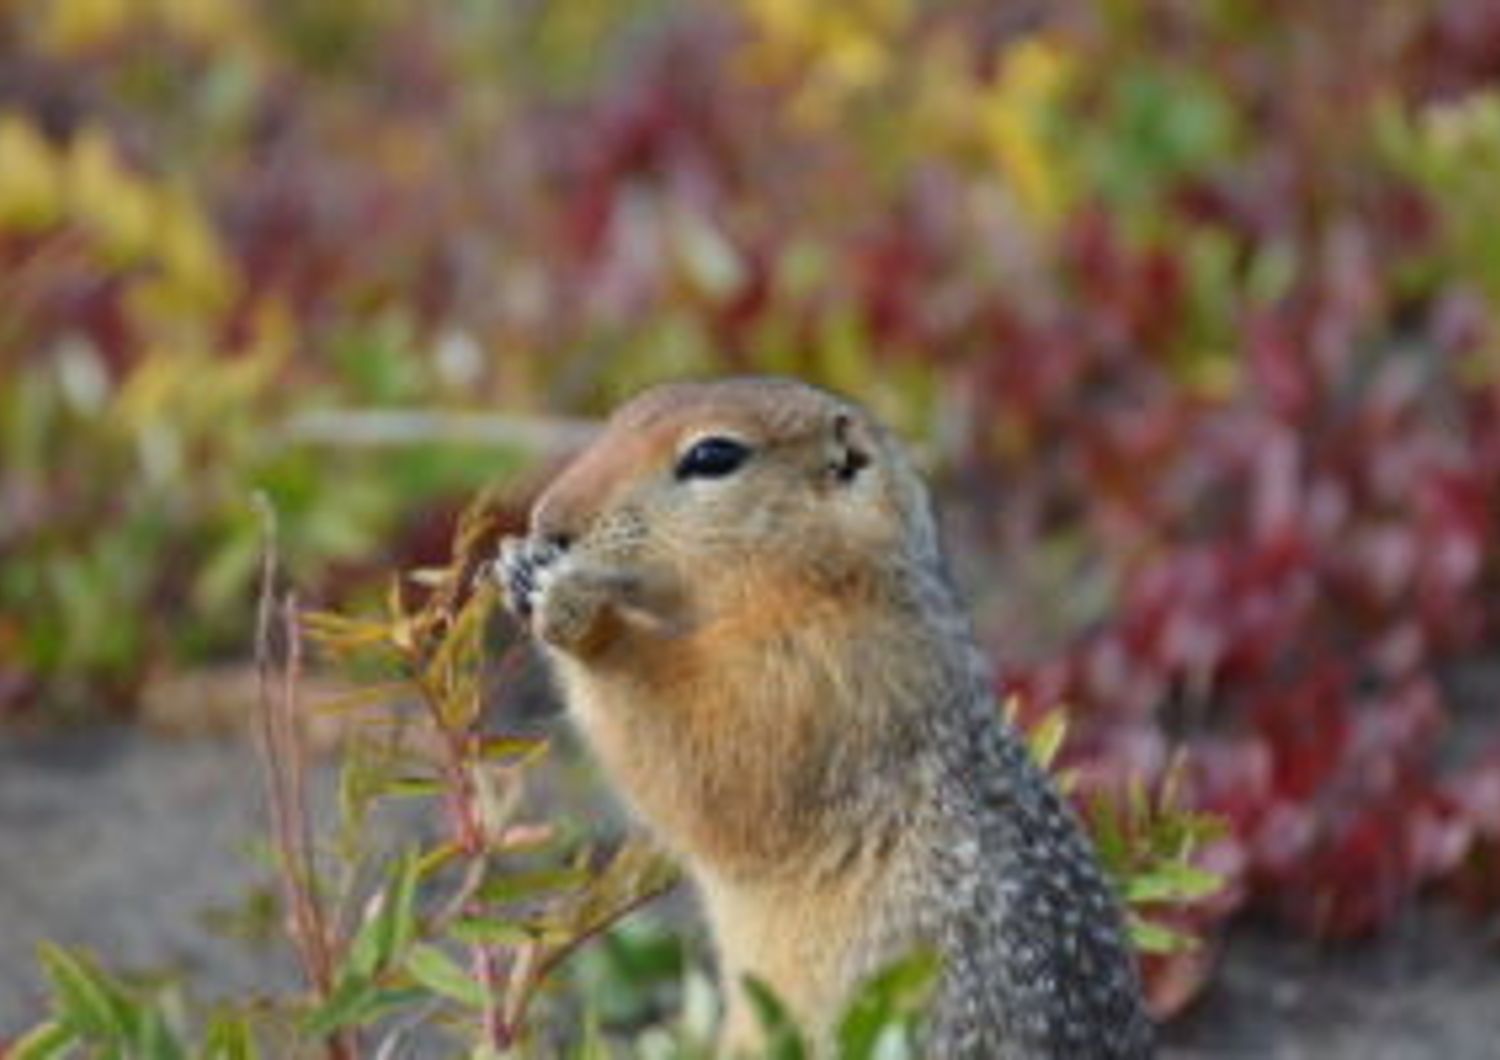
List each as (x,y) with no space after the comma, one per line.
(624,478)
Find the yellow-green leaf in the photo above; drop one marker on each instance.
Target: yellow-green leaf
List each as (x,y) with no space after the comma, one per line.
(1150,936)
(228,1037)
(435,970)
(43,1042)
(85,1002)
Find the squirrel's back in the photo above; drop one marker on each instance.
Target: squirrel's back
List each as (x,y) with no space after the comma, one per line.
(741,592)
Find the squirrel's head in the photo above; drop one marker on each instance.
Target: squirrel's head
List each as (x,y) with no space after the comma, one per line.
(743,473)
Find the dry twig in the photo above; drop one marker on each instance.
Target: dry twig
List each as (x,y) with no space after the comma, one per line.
(284,769)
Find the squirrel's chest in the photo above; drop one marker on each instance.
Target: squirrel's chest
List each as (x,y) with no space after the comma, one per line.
(811,945)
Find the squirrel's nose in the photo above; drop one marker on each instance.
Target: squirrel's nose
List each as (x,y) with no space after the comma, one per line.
(551,524)
(565,512)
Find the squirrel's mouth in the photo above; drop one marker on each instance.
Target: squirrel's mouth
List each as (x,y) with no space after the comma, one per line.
(519,569)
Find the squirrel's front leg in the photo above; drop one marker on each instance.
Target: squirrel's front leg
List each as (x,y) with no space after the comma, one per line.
(575,604)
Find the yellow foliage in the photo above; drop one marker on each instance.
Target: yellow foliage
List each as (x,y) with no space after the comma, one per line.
(135,220)
(801,24)
(1037,70)
(944,92)
(67,27)
(195,269)
(203,21)
(30,176)
(843,48)
(201,391)
(1213,373)
(160,385)
(1011,115)
(107,199)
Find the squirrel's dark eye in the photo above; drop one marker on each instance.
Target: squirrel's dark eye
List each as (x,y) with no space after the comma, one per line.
(712,458)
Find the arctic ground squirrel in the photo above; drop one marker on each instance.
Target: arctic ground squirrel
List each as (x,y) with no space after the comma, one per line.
(740,591)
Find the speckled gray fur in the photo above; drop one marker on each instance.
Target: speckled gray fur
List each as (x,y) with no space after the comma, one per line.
(1006,886)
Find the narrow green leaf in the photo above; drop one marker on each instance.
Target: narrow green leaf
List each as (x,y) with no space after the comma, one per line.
(435,970)
(591,1044)
(1148,936)
(85,1000)
(887,1006)
(512,747)
(341,1008)
(367,951)
(404,904)
(457,655)
(388,930)
(638,871)
(1046,739)
(517,886)
(782,1039)
(410,787)
(228,1037)
(487,932)
(1172,882)
(436,858)
(340,633)
(45,1041)
(357,1002)
(154,1040)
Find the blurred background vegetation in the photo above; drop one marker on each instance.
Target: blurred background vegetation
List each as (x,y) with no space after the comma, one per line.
(1190,305)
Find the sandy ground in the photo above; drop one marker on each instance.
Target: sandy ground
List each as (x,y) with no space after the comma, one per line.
(1431,989)
(119,841)
(122,843)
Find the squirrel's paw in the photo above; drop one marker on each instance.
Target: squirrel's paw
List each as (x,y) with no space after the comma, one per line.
(569,602)
(561,598)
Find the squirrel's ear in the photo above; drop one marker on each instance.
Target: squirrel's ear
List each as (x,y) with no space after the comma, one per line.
(850,448)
